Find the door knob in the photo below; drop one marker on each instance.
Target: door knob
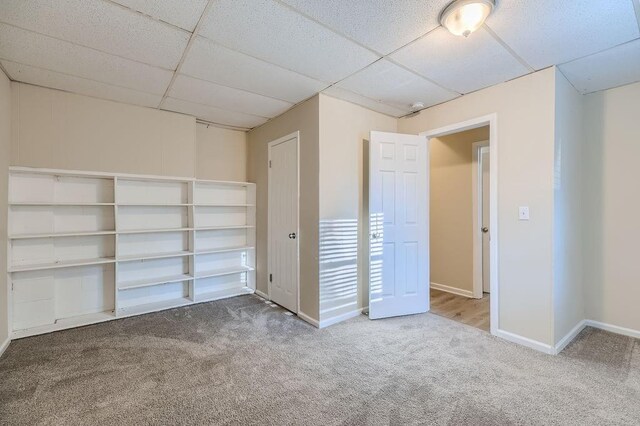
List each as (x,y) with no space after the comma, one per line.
(485,229)
(375,235)
(292,235)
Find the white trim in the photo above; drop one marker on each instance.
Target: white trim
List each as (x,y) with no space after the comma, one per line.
(613,328)
(307,318)
(4,345)
(339,318)
(492,121)
(569,337)
(524,341)
(261,294)
(290,136)
(452,290)
(477,202)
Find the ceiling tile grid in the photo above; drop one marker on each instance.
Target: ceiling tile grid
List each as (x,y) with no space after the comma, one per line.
(465,66)
(100,25)
(82,86)
(207,93)
(551,32)
(274,33)
(183,14)
(393,85)
(209,61)
(381,25)
(346,95)
(44,52)
(213,114)
(610,68)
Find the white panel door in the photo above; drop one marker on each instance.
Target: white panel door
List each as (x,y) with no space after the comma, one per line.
(399,225)
(283,222)
(484,162)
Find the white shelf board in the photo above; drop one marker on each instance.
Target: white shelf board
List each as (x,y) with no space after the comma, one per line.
(61,234)
(128,285)
(58,204)
(153,307)
(223,205)
(65,323)
(223,294)
(151,256)
(221,228)
(225,250)
(154,205)
(62,264)
(224,271)
(153,231)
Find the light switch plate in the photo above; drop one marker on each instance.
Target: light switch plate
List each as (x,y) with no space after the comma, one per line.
(523,212)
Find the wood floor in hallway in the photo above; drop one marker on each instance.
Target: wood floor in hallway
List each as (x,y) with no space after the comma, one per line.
(473,312)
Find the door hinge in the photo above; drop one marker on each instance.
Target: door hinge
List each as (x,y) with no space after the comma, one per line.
(270,278)
(269,163)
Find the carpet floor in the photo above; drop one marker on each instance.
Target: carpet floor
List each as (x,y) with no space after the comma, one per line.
(242,361)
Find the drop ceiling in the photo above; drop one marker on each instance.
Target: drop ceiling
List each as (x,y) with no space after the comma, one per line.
(239,63)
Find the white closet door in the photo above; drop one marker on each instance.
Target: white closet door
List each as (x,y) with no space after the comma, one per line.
(399,218)
(283,222)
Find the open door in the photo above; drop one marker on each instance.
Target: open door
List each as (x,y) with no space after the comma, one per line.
(398,224)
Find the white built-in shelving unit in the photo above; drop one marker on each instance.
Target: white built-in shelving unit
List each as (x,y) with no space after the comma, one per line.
(89,247)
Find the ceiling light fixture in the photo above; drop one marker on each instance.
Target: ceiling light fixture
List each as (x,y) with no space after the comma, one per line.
(462,17)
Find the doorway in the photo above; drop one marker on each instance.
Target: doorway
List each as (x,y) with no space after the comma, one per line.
(283,230)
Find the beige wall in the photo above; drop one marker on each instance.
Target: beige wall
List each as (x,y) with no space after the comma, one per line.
(5,138)
(568,294)
(344,129)
(611,184)
(451,208)
(221,154)
(61,130)
(525,130)
(303,118)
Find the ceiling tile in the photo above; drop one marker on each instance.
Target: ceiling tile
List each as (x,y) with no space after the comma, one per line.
(209,61)
(204,92)
(395,86)
(213,114)
(550,32)
(40,51)
(272,32)
(461,64)
(100,25)
(611,68)
(382,25)
(184,13)
(69,83)
(348,96)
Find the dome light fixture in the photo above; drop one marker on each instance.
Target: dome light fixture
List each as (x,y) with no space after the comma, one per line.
(462,17)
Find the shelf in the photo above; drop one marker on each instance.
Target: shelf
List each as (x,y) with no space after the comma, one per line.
(152,231)
(62,264)
(225,250)
(153,205)
(223,205)
(61,234)
(65,323)
(221,228)
(151,256)
(59,204)
(222,294)
(128,285)
(153,307)
(224,271)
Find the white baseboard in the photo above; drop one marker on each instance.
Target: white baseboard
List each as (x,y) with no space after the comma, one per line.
(569,337)
(524,341)
(339,318)
(613,328)
(4,345)
(453,290)
(261,294)
(308,319)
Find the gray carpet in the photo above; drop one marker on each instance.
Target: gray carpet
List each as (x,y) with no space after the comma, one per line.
(241,361)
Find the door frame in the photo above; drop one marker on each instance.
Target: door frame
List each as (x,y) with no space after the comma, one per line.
(295,135)
(476,191)
(492,121)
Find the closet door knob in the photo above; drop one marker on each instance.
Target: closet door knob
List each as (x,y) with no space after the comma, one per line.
(292,235)
(485,229)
